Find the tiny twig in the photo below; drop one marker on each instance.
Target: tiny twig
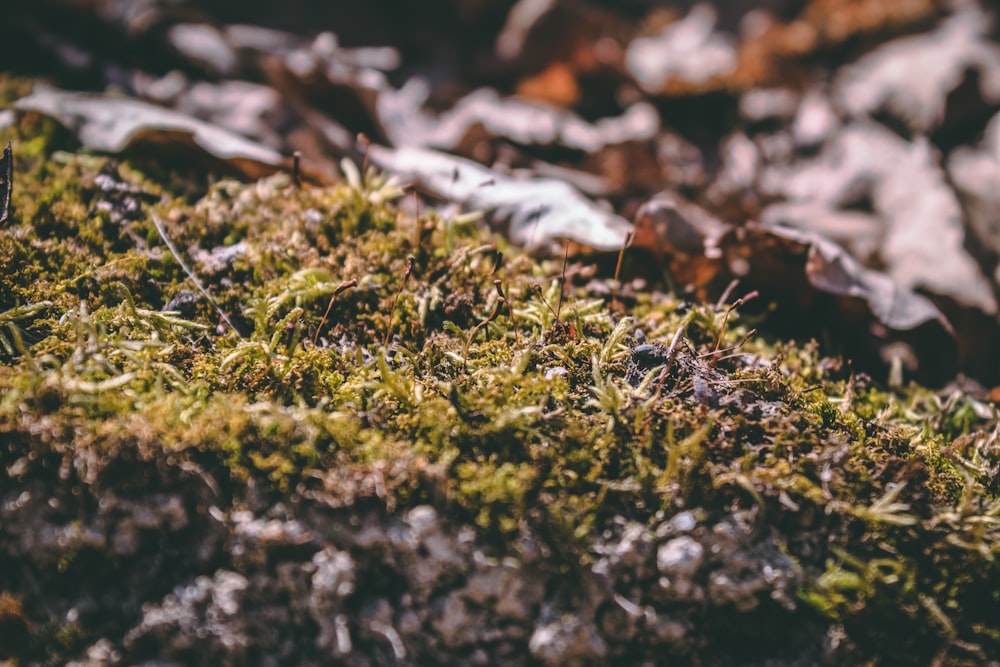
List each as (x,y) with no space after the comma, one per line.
(510,307)
(538,288)
(726,293)
(618,270)
(347,284)
(714,353)
(367,143)
(395,299)
(730,381)
(562,278)
(296,169)
(255,380)
(671,353)
(191,274)
(475,329)
(733,306)
(6,182)
(417,227)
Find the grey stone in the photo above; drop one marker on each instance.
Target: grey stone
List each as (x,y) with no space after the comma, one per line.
(567,641)
(681,556)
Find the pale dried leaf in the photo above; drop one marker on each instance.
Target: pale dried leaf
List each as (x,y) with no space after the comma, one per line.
(830,269)
(521,121)
(860,233)
(204,45)
(815,121)
(976,175)
(537,212)
(111,124)
(520,20)
(689,50)
(923,244)
(911,77)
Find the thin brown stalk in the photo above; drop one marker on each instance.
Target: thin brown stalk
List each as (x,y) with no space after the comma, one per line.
(725,320)
(347,284)
(475,330)
(395,299)
(297,169)
(618,271)
(562,279)
(510,308)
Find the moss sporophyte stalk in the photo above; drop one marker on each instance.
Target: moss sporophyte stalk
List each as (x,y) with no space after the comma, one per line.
(383,358)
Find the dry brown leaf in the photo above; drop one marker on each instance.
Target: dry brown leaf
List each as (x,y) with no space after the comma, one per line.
(556,84)
(802,273)
(876,320)
(859,232)
(249,109)
(837,20)
(682,232)
(205,46)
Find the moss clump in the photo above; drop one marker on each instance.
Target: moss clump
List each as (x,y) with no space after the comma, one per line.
(435,377)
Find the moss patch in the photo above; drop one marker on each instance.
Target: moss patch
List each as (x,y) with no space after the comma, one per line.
(436,377)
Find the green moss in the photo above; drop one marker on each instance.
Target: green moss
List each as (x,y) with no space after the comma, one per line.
(542,421)
(62,640)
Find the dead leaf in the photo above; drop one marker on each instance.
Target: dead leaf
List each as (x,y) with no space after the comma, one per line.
(249,109)
(857,231)
(6,182)
(829,268)
(923,237)
(815,121)
(684,239)
(537,212)
(205,46)
(556,84)
(976,175)
(911,77)
(521,18)
(112,124)
(683,232)
(759,105)
(801,272)
(345,82)
(872,315)
(484,112)
(837,20)
(689,51)
(669,224)
(731,195)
